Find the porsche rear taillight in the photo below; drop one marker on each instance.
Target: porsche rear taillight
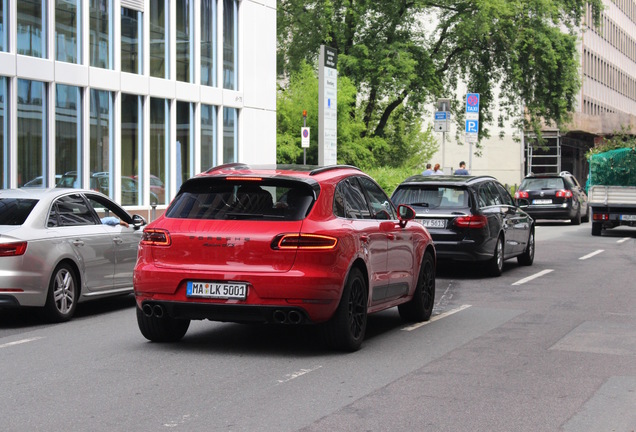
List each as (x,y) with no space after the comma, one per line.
(303,241)
(13,249)
(473,221)
(155,237)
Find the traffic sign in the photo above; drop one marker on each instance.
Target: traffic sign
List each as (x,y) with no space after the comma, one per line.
(472,126)
(472,102)
(441,121)
(471,138)
(304,136)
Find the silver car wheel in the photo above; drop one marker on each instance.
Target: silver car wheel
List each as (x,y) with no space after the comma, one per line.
(64,291)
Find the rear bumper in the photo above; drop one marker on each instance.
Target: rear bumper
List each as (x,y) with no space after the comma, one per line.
(244,313)
(465,250)
(314,297)
(550,212)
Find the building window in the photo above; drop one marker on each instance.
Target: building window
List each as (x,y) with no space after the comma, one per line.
(68,132)
(159,39)
(131,41)
(230,47)
(3,26)
(185,44)
(185,128)
(101,43)
(230,134)
(4,181)
(208,42)
(208,137)
(131,149)
(31,131)
(32,28)
(159,135)
(101,140)
(68,31)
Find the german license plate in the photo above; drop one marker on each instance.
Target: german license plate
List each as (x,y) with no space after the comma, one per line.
(434,223)
(217,290)
(542,201)
(628,217)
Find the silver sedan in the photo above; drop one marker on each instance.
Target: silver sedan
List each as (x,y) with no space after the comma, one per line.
(59,247)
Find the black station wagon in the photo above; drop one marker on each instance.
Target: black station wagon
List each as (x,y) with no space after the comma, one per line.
(470,218)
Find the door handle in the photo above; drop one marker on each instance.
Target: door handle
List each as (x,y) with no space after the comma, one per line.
(78,242)
(391,236)
(118,240)
(364,238)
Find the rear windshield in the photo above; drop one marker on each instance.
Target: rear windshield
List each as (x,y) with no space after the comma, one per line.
(542,183)
(431,196)
(14,211)
(221,199)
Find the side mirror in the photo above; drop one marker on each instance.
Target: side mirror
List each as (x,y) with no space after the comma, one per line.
(405,214)
(138,221)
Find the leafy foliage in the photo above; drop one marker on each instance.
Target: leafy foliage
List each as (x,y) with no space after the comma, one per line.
(622,139)
(403,144)
(399,55)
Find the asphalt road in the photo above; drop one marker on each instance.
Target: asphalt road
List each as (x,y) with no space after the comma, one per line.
(551,347)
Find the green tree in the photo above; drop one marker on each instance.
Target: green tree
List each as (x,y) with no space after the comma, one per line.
(409,147)
(521,54)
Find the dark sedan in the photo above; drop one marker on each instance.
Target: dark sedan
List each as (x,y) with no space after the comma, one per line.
(470,218)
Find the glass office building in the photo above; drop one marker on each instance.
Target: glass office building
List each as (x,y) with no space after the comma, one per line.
(133,97)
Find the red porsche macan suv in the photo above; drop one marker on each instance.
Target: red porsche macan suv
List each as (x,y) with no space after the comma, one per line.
(285,245)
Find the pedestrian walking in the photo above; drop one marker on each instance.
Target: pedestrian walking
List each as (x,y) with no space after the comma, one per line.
(462,169)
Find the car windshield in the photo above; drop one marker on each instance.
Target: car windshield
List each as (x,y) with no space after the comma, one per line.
(221,199)
(432,196)
(542,183)
(14,211)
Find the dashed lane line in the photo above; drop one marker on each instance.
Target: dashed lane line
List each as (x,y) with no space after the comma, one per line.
(590,255)
(19,342)
(623,240)
(436,317)
(534,276)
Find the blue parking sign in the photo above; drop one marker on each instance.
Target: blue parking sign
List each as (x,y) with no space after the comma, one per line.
(472,102)
(472,126)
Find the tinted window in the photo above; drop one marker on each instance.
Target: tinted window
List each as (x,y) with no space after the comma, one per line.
(486,197)
(431,196)
(71,210)
(505,195)
(542,183)
(221,199)
(14,211)
(349,200)
(381,206)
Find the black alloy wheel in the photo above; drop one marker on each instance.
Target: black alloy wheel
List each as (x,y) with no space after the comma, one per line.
(420,307)
(346,328)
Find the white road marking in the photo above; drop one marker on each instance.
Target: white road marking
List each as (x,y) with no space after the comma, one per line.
(623,240)
(534,276)
(436,317)
(18,342)
(297,374)
(590,255)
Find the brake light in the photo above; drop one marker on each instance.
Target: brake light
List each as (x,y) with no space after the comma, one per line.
(303,241)
(244,178)
(13,249)
(600,216)
(156,237)
(521,194)
(474,221)
(563,193)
